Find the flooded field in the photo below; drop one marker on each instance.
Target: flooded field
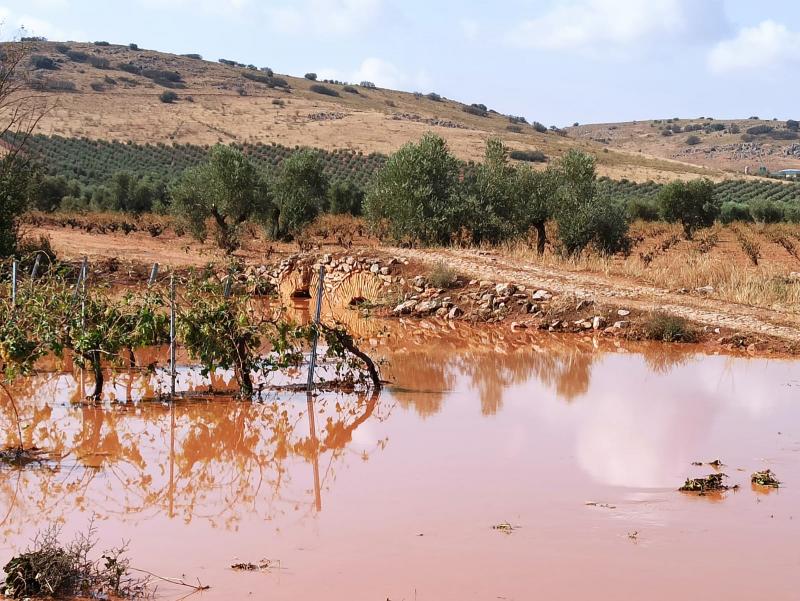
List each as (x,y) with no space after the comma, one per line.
(495,466)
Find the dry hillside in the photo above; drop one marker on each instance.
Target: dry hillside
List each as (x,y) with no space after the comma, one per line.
(720,144)
(94,94)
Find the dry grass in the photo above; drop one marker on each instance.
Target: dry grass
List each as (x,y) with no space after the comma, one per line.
(717,257)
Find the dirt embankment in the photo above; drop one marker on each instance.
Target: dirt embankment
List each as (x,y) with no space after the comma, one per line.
(618,292)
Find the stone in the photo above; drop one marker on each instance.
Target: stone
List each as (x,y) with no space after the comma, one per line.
(441,312)
(623,313)
(705,290)
(485,284)
(375,268)
(455,313)
(541,295)
(583,304)
(598,322)
(419,281)
(621,325)
(533,308)
(427,307)
(385,271)
(405,308)
(519,325)
(505,289)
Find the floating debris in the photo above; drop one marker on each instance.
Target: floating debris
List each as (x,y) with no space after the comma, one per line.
(504,527)
(716,464)
(634,535)
(262,566)
(711,483)
(603,505)
(765,478)
(21,457)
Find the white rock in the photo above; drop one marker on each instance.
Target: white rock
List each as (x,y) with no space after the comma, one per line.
(621,325)
(598,322)
(375,268)
(505,289)
(541,295)
(623,313)
(405,308)
(455,313)
(428,307)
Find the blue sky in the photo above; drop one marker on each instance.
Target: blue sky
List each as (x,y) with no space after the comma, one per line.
(554,61)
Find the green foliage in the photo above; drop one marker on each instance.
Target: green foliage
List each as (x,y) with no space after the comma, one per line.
(345,198)
(759,130)
(765,211)
(536,194)
(693,140)
(531,156)
(227,190)
(298,193)
(668,328)
(416,195)
(311,76)
(690,203)
(643,208)
(585,217)
(15,177)
(442,276)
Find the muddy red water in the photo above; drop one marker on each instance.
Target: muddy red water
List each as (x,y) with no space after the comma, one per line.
(578,446)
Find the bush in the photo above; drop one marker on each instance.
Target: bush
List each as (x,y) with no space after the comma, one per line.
(77,56)
(368,84)
(792,212)
(345,198)
(668,328)
(759,130)
(43,62)
(97,86)
(193,55)
(690,203)
(517,129)
(434,96)
(350,90)
(159,75)
(640,208)
(539,127)
(133,46)
(474,109)
(99,62)
(783,134)
(734,129)
(130,68)
(766,211)
(693,140)
(62,48)
(747,137)
(324,90)
(58,85)
(514,120)
(734,211)
(168,97)
(101,43)
(442,276)
(530,156)
(792,125)
(15,177)
(311,76)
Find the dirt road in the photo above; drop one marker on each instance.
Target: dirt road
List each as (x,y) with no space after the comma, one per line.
(615,291)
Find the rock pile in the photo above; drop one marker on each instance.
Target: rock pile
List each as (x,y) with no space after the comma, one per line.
(429,121)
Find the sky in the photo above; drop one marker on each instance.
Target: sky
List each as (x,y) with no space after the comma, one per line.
(553,61)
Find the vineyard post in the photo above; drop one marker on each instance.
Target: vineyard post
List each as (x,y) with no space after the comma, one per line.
(228,284)
(153,275)
(172,341)
(81,278)
(14,266)
(35,270)
(313,359)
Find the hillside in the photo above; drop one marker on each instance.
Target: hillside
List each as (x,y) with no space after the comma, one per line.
(112,93)
(723,145)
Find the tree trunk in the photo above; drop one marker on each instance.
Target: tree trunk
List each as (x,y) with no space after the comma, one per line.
(98,375)
(541,237)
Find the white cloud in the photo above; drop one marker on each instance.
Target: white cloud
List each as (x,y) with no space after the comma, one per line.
(612,25)
(338,17)
(470,28)
(380,72)
(13,26)
(217,7)
(768,45)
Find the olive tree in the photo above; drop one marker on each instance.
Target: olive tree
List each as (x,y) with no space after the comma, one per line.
(226,190)
(690,203)
(583,216)
(535,193)
(495,201)
(416,195)
(298,193)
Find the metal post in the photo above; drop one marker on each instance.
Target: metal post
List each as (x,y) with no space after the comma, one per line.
(81,278)
(14,266)
(228,285)
(35,270)
(312,363)
(172,336)
(153,275)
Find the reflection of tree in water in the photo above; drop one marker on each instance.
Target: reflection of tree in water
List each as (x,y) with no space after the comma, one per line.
(430,360)
(213,460)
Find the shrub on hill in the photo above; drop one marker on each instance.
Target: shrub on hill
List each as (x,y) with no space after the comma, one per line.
(324,90)
(350,90)
(194,56)
(792,124)
(693,140)
(102,43)
(783,134)
(311,76)
(759,130)
(298,192)
(168,97)
(539,127)
(62,48)
(368,84)
(133,46)
(475,109)
(517,129)
(99,62)
(531,156)
(434,96)
(43,62)
(77,56)
(766,211)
